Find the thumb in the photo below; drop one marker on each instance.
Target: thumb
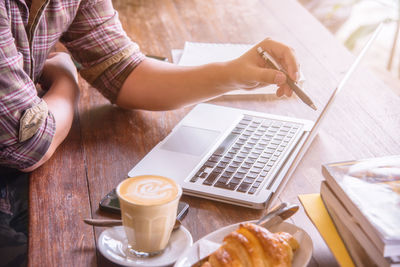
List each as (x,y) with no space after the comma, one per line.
(271,76)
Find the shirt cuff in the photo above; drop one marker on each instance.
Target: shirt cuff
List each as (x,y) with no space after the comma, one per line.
(25,154)
(114,72)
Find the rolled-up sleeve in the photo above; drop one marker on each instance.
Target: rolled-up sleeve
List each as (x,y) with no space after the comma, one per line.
(97,41)
(20,148)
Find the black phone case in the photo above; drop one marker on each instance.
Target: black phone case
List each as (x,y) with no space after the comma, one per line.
(110,203)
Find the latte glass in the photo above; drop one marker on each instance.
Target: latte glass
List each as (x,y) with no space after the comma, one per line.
(149,205)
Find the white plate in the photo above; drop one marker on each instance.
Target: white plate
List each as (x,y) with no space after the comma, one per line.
(113,245)
(301,256)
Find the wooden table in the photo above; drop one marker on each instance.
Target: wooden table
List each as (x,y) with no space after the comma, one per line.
(105,141)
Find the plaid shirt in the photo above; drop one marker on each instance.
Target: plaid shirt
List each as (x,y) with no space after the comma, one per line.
(91,31)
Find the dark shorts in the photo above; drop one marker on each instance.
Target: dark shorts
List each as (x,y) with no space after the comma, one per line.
(13,217)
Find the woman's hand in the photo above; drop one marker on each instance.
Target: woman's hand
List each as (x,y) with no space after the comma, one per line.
(156,85)
(250,70)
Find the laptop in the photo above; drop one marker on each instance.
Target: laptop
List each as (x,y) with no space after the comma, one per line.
(233,155)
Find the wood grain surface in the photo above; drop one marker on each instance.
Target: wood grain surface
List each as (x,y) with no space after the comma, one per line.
(106,141)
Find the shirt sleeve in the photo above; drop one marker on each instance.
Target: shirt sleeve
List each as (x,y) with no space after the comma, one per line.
(97,41)
(20,148)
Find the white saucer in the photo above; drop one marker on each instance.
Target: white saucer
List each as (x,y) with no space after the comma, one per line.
(213,240)
(113,245)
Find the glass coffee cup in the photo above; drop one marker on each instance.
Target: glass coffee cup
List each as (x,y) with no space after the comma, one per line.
(149,205)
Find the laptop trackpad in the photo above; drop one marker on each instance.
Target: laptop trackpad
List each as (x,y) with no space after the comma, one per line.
(191,140)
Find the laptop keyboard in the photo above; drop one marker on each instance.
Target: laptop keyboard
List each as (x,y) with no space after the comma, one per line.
(247,155)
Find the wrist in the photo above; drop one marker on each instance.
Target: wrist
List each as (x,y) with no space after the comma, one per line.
(223,76)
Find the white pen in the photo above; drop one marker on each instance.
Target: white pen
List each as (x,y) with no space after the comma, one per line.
(300,93)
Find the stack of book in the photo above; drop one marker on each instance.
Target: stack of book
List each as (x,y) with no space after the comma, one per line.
(363,200)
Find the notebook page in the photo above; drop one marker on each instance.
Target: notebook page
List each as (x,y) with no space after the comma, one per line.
(202,53)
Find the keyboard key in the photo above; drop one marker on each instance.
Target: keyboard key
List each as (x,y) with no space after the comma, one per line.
(250,161)
(247,118)
(226,160)
(229,155)
(230,169)
(243,187)
(249,146)
(252,190)
(258,134)
(273,147)
(259,150)
(226,174)
(248,180)
(266,155)
(267,168)
(211,178)
(222,165)
(238,130)
(255,169)
(238,160)
(259,165)
(262,160)
(214,159)
(210,164)
(245,151)
(235,180)
(235,164)
(233,150)
(218,170)
(246,165)
(252,175)
(266,123)
(236,146)
(241,155)
(231,186)
(260,179)
(223,180)
(224,146)
(240,142)
(239,175)
(257,184)
(194,179)
(220,184)
(243,170)
(258,120)
(275,142)
(253,126)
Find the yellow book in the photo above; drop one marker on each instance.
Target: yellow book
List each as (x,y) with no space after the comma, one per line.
(318,214)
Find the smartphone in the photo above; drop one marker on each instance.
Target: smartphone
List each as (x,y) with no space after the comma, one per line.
(110,203)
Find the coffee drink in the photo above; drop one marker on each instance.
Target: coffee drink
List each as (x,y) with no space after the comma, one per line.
(148,207)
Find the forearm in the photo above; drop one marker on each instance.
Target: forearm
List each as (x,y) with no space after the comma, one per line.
(155,85)
(61,100)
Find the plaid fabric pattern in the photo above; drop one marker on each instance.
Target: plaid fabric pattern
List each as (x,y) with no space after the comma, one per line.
(91,31)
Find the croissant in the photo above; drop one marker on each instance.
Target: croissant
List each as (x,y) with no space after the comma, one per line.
(254,246)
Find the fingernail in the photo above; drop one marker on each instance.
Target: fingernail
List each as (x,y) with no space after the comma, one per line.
(297,76)
(280,78)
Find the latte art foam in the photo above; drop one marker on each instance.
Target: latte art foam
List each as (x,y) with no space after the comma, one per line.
(148,190)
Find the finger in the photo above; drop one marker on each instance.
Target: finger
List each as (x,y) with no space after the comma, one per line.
(279,92)
(287,90)
(270,76)
(285,56)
